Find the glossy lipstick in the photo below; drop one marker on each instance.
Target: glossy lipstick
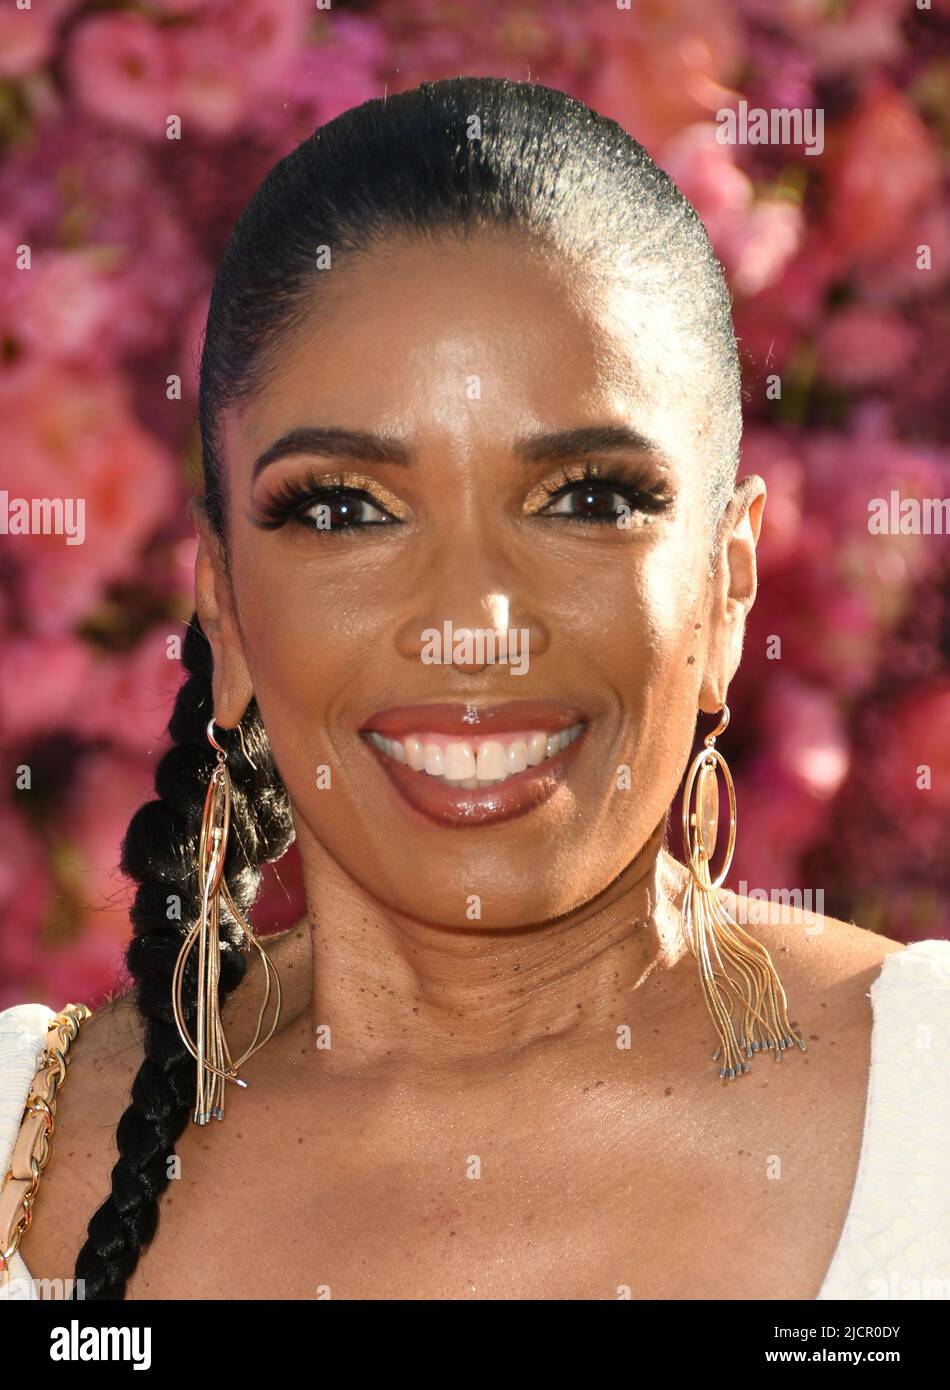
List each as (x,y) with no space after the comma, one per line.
(521,752)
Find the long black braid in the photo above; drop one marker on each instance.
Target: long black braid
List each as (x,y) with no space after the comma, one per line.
(160,853)
(448,157)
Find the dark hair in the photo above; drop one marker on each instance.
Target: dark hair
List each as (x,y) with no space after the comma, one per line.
(448,157)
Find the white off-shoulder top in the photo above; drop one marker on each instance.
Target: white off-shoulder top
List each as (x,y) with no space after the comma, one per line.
(895,1243)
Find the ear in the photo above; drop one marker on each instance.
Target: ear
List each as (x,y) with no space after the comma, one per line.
(231,682)
(734,589)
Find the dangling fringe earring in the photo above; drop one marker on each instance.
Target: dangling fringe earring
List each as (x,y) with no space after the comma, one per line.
(215,1065)
(734,969)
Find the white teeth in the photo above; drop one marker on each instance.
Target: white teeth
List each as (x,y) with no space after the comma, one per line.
(492,761)
(459,762)
(517,756)
(415,753)
(435,763)
(484,764)
(537,749)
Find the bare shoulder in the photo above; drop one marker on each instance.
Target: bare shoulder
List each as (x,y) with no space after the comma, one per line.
(824,963)
(817,951)
(832,946)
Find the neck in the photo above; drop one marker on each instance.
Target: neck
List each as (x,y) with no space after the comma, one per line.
(420,999)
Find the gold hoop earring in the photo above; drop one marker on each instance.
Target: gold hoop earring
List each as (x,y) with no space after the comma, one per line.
(210,1049)
(735,970)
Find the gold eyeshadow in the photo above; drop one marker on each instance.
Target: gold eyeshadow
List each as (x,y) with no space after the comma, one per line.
(292,497)
(636,482)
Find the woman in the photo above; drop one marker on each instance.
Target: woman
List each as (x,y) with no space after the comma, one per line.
(469,375)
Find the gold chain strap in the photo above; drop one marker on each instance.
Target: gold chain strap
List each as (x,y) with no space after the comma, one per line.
(32,1148)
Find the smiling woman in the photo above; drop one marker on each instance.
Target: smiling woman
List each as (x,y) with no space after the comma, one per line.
(470,390)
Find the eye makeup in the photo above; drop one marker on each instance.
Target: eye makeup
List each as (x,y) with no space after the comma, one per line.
(293,499)
(636,485)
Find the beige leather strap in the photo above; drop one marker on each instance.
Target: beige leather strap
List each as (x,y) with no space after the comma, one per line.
(32,1148)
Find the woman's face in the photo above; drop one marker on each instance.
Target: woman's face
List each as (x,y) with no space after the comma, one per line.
(351,615)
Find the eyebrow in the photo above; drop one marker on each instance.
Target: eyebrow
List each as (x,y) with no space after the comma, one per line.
(365,447)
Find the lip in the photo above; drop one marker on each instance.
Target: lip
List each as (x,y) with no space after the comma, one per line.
(513,717)
(459,807)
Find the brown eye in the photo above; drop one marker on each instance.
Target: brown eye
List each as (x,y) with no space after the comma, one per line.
(342,509)
(588,501)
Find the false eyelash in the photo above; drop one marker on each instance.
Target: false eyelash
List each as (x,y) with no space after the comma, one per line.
(634,484)
(294,496)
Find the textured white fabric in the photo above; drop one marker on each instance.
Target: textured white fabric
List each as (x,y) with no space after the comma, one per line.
(895,1243)
(23,1032)
(896,1238)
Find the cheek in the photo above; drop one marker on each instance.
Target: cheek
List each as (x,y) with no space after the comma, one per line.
(306,615)
(654,665)
(306,641)
(646,616)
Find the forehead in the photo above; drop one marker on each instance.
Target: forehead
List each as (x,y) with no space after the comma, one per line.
(409,338)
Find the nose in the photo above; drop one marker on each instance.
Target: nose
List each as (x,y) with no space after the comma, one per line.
(473,630)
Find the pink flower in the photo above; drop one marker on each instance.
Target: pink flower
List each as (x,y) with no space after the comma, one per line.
(122,68)
(63,307)
(136,267)
(893,272)
(754,238)
(130,695)
(845,476)
(826,631)
(86,970)
(868,32)
(173,9)
(70,437)
(886,171)
(94,818)
(43,684)
(662,67)
(25,892)
(862,346)
(233,58)
(27,36)
(785,313)
(913,770)
(803,729)
(208,71)
(340,70)
(777,821)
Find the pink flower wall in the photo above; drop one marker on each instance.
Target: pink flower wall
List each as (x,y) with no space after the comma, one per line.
(839,262)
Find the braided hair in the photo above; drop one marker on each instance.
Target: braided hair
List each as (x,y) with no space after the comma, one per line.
(449,156)
(160,853)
